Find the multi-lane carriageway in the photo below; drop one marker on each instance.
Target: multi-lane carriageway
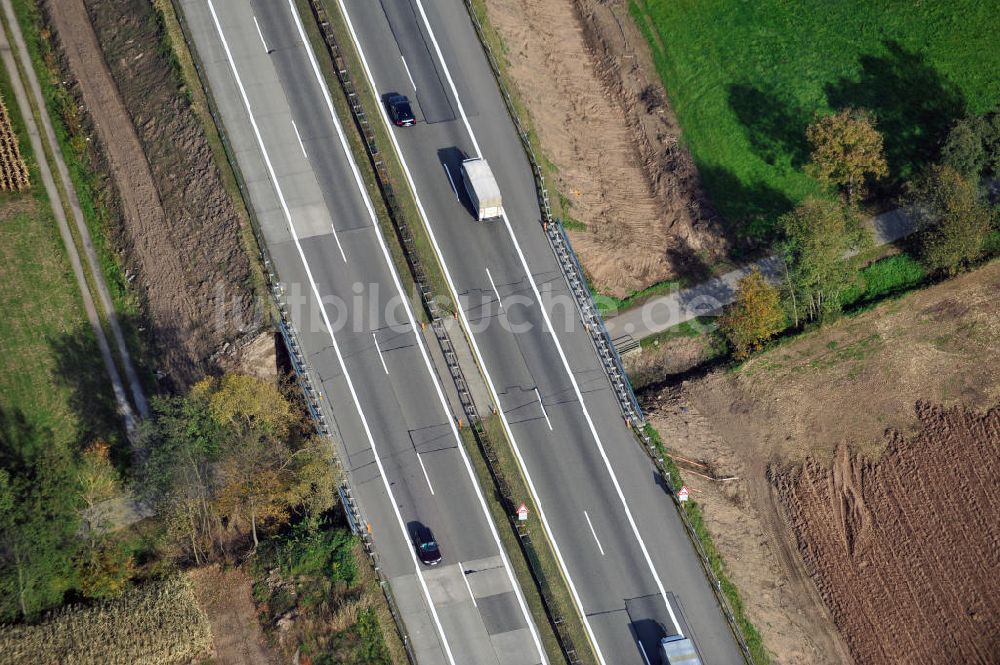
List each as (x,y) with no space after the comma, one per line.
(630,567)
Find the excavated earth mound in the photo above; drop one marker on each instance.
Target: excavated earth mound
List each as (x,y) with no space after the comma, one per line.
(587,78)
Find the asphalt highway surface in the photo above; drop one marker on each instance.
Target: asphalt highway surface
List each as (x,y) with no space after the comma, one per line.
(399,439)
(630,564)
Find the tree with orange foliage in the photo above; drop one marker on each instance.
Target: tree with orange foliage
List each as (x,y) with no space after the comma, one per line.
(99,483)
(754,317)
(846,148)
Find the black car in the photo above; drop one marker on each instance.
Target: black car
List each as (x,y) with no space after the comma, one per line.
(427,547)
(399,110)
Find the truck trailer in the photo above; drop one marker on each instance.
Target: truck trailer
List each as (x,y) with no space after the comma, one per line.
(482,188)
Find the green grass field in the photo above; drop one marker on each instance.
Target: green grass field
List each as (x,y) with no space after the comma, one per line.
(43,314)
(745,78)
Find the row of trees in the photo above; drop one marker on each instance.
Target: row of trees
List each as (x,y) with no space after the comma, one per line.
(822,237)
(51,540)
(222,465)
(229,460)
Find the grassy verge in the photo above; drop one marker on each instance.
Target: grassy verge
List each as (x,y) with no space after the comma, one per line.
(406,203)
(750,633)
(76,152)
(321,578)
(40,301)
(884,278)
(702,325)
(611,305)
(746,78)
(555,586)
(201,105)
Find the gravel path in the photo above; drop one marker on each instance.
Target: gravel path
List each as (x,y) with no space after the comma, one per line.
(125,409)
(708,298)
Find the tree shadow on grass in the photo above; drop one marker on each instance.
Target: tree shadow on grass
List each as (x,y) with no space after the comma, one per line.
(913,103)
(79,367)
(751,210)
(20,440)
(775,127)
(687,261)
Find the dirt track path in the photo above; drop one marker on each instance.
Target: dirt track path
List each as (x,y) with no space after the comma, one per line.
(145,217)
(124,407)
(225,596)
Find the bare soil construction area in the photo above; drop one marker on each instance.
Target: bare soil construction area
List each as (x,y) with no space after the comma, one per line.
(179,232)
(586,76)
(861,518)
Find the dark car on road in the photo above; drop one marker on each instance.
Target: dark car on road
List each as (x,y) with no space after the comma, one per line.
(427,547)
(399,109)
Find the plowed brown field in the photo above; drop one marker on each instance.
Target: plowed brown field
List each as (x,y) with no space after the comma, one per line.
(906,551)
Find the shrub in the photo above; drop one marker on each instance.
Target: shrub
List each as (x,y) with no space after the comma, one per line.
(954,222)
(964,150)
(754,317)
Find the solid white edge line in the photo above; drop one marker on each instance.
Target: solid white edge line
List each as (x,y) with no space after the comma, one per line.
(467,585)
(453,188)
(555,339)
(333,339)
(478,354)
(299,137)
(642,650)
(420,342)
(542,407)
(380,356)
(261,34)
(408,74)
(451,82)
(495,291)
(424,469)
(594,533)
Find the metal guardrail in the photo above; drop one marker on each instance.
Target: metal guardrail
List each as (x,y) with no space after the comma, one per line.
(563,250)
(706,565)
(315,404)
(400,225)
(603,344)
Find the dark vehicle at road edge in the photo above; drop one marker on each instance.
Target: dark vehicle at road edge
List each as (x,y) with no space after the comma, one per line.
(427,547)
(399,109)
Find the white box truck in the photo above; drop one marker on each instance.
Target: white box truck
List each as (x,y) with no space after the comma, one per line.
(482,188)
(678,650)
